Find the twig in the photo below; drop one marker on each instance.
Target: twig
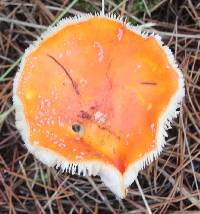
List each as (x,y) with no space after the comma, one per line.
(143,197)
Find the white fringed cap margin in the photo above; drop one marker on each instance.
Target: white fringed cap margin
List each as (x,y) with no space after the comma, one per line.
(108,173)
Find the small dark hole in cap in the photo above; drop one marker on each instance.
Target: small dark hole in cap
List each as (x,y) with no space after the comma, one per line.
(77,127)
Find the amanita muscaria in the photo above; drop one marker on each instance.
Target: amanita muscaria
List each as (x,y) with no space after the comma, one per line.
(95,95)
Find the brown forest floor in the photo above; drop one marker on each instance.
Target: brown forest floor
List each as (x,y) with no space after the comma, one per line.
(170,184)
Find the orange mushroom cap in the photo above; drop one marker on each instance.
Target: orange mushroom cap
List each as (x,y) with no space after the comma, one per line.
(94,95)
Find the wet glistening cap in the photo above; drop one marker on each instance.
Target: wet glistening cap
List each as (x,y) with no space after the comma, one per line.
(95,96)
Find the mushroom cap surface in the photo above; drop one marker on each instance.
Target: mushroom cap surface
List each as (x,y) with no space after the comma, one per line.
(95,96)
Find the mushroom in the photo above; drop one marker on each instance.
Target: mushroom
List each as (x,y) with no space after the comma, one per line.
(95,96)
